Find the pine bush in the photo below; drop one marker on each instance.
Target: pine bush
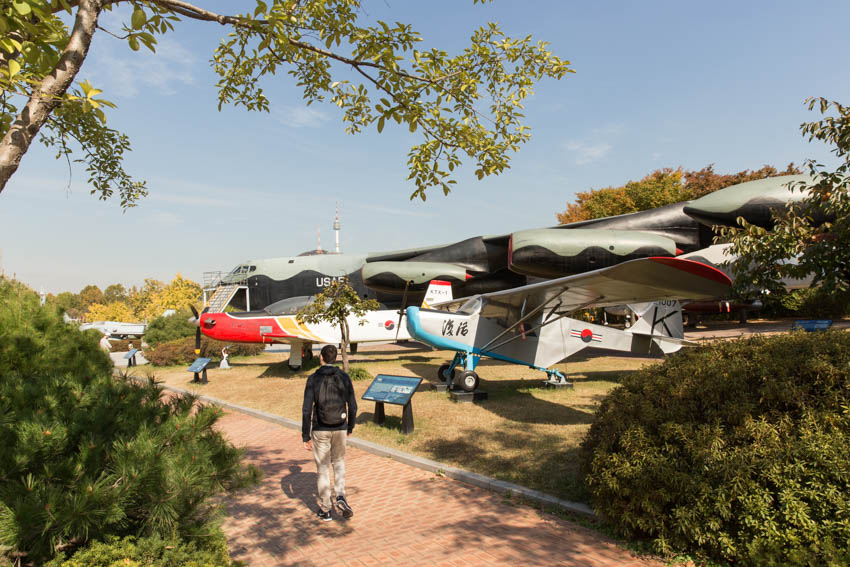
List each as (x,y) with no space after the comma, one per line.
(147,552)
(84,456)
(359,373)
(739,451)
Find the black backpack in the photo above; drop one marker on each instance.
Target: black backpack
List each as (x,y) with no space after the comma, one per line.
(331,406)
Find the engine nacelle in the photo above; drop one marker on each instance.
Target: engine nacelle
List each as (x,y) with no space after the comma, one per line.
(554,253)
(393,277)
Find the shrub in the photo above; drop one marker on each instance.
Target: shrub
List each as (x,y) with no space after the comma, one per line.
(737,451)
(34,338)
(148,552)
(182,351)
(359,373)
(84,456)
(173,327)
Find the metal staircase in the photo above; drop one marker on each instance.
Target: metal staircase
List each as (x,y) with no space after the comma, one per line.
(221,297)
(218,294)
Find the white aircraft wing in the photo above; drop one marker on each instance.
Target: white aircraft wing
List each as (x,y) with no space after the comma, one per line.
(635,281)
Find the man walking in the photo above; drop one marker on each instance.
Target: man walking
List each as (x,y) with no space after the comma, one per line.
(327,418)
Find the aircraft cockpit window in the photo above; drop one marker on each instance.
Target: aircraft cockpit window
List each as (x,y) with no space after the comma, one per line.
(252,269)
(289,306)
(471,306)
(243,269)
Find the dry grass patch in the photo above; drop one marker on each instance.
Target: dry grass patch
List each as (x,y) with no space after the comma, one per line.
(524,433)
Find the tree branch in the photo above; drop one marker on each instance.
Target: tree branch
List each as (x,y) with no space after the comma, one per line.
(47,96)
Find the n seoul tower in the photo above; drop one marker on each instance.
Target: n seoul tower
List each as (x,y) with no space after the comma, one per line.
(336,227)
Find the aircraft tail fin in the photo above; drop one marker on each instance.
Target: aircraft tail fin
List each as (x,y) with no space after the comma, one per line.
(438,292)
(661,322)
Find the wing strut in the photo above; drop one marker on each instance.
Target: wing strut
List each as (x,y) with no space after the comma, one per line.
(521,320)
(547,321)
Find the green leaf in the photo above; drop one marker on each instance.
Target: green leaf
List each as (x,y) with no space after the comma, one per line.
(134,43)
(22,8)
(14,68)
(139,18)
(380,124)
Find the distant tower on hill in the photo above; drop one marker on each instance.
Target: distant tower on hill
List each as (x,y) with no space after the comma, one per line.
(336,227)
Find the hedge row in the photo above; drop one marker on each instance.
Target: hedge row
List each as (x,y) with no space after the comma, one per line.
(182,351)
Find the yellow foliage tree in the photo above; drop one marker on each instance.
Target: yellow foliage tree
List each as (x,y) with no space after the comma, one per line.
(155,297)
(114,311)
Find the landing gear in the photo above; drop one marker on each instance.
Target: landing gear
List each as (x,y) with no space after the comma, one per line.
(556,379)
(307,353)
(297,354)
(469,380)
(446,373)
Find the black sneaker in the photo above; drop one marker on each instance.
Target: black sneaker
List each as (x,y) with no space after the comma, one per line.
(324,516)
(343,506)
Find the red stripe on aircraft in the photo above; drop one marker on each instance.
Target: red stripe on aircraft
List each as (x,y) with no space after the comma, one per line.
(441,282)
(695,268)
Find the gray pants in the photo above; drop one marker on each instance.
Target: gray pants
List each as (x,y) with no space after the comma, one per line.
(329,449)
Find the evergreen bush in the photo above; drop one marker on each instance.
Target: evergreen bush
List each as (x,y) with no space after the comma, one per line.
(359,373)
(148,552)
(84,456)
(173,327)
(736,451)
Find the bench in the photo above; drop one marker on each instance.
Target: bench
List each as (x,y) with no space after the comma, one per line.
(810,325)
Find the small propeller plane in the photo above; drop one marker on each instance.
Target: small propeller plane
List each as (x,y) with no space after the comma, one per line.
(279,323)
(529,325)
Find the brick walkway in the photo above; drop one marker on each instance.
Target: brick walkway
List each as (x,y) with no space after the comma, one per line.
(403,515)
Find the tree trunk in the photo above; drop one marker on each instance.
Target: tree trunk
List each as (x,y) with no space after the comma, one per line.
(46,97)
(344,328)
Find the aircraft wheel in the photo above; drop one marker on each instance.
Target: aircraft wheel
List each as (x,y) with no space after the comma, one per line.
(443,373)
(308,353)
(352,348)
(469,380)
(295,368)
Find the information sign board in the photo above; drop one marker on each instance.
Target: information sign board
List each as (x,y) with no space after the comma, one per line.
(199,365)
(392,389)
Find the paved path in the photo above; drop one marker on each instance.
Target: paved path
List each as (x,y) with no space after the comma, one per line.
(403,515)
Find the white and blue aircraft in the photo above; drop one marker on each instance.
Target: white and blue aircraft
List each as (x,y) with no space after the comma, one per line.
(529,325)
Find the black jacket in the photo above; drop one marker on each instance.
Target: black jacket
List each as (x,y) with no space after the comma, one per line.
(309,415)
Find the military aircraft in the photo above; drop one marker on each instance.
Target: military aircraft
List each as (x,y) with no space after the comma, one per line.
(279,323)
(530,326)
(484,264)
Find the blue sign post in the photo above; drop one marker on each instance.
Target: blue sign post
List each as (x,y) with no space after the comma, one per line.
(131,357)
(199,367)
(396,390)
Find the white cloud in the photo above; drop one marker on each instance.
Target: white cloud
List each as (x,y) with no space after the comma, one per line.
(128,73)
(588,152)
(301,117)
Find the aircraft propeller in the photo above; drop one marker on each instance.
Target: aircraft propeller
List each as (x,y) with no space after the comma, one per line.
(197,320)
(403,307)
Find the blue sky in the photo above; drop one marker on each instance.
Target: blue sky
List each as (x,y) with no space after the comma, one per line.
(657,84)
